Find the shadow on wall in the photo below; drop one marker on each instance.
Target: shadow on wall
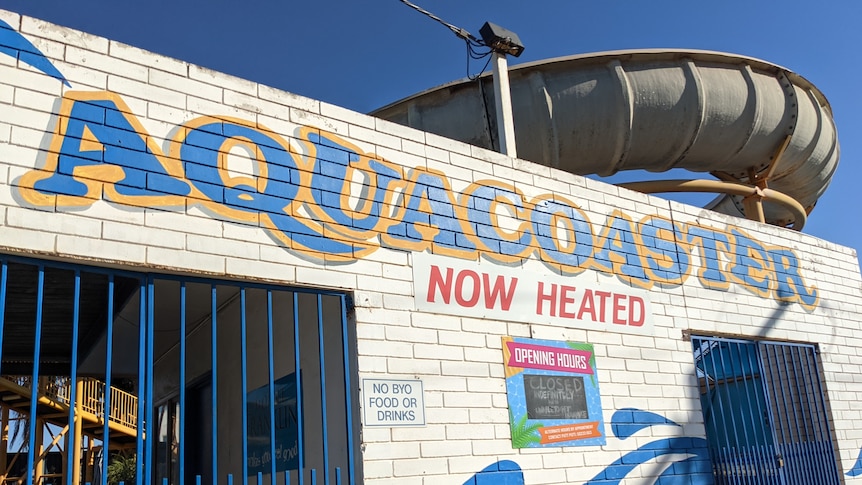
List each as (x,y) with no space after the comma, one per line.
(694,469)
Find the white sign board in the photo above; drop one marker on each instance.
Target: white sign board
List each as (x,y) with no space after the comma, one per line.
(388,402)
(528,294)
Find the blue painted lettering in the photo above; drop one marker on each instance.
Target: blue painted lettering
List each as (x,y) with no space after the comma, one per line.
(667,261)
(332,201)
(563,233)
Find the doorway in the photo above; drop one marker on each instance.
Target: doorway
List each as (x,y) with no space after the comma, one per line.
(764,411)
(174,379)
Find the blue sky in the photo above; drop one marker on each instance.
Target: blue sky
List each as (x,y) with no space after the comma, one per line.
(365,54)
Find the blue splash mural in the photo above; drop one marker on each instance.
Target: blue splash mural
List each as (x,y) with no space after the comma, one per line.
(504,472)
(15,45)
(696,469)
(857,467)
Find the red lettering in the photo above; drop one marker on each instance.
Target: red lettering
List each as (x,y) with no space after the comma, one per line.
(499,291)
(587,306)
(436,281)
(550,298)
(459,288)
(603,295)
(565,300)
(641,314)
(619,306)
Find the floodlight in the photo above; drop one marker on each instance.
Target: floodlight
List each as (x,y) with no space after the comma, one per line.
(501,40)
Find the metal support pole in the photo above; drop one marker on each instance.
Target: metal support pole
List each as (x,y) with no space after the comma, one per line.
(38,465)
(88,474)
(751,193)
(753,205)
(503,100)
(77,437)
(4,441)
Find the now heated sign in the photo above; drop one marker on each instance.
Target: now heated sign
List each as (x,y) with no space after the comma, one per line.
(457,287)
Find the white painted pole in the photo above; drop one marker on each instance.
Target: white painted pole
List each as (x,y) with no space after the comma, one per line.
(503,98)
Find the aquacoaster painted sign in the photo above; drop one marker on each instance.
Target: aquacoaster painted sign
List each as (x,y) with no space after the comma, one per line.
(320,196)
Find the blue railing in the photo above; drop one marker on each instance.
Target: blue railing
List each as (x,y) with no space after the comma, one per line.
(196,350)
(764,412)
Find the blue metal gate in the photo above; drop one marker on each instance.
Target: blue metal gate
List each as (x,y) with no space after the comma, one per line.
(765,413)
(155,379)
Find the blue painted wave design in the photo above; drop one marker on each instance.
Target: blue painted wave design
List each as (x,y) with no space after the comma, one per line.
(628,421)
(857,468)
(696,469)
(503,472)
(15,45)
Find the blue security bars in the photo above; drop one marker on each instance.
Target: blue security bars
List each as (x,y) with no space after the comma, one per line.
(764,412)
(801,426)
(202,381)
(54,320)
(735,412)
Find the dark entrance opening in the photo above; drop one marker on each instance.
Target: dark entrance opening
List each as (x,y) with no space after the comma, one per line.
(764,410)
(154,379)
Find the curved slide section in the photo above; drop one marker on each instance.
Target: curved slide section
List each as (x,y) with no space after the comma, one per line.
(744,120)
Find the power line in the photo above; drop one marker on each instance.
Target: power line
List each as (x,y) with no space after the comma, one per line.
(473,44)
(462,33)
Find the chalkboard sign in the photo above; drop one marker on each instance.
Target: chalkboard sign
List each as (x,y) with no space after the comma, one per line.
(553,393)
(555,397)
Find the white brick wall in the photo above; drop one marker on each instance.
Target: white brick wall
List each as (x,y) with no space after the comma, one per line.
(459,359)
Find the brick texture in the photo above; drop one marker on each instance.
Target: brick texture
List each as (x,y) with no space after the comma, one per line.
(459,358)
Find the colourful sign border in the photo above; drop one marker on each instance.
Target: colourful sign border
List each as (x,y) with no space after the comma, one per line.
(552,358)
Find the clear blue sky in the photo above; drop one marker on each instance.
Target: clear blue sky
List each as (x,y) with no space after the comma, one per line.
(365,54)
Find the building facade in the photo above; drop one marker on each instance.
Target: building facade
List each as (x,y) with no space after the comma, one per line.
(272,286)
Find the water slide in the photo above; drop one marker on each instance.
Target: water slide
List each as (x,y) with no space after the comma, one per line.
(764,133)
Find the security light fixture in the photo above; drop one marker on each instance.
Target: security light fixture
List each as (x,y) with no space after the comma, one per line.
(501,43)
(501,40)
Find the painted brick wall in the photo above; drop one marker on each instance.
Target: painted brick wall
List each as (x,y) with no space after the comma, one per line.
(459,359)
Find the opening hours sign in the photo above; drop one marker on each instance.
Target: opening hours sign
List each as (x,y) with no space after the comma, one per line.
(553,393)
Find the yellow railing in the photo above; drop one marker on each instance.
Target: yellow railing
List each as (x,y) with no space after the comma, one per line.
(91,395)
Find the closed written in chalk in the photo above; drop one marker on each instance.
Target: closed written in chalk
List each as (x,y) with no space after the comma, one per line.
(555,397)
